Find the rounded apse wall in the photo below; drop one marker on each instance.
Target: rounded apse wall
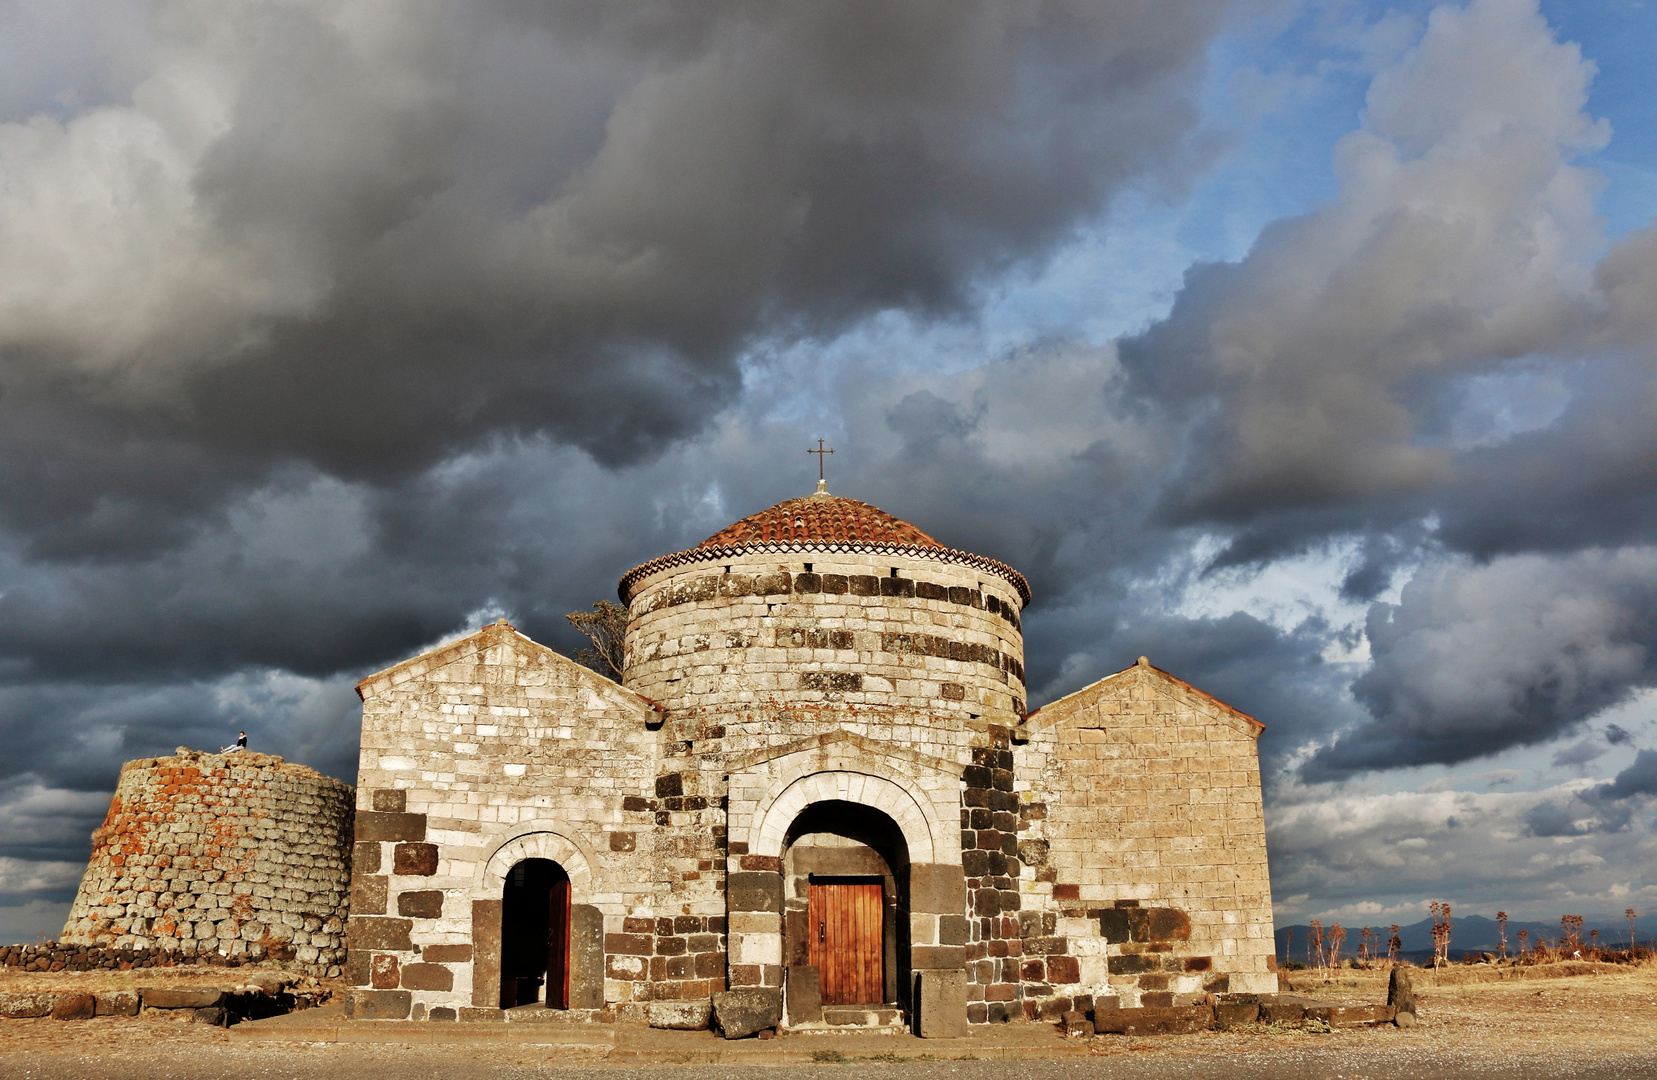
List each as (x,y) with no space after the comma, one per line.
(744,632)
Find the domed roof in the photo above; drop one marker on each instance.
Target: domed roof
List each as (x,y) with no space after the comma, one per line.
(823,518)
(820,522)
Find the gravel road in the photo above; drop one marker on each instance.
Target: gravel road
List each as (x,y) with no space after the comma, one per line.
(352,1063)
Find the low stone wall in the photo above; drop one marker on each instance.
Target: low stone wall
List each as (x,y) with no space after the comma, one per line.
(1183,1014)
(262,995)
(235,855)
(54,957)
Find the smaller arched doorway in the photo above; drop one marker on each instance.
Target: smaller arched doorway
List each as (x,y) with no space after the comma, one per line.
(535,935)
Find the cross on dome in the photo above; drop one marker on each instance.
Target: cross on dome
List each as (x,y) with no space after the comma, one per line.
(822,484)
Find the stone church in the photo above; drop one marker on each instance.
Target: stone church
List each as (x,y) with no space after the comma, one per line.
(817,793)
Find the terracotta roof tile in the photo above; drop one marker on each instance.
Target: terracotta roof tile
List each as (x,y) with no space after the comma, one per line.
(827,518)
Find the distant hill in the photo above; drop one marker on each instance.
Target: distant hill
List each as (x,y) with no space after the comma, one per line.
(1474,934)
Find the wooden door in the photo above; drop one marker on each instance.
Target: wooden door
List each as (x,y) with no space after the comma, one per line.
(558,945)
(847,936)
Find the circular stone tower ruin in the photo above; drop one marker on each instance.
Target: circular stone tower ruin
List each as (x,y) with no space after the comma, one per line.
(240,855)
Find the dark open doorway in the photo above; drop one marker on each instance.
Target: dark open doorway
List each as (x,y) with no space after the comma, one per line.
(535,935)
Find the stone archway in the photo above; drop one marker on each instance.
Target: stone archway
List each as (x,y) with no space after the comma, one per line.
(770,827)
(932,888)
(537,842)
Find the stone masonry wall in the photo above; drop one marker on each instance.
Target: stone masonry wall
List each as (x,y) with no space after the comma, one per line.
(1144,843)
(1111,847)
(52,956)
(494,749)
(239,855)
(1018,966)
(871,633)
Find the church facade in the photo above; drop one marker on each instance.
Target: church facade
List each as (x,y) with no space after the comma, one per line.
(817,789)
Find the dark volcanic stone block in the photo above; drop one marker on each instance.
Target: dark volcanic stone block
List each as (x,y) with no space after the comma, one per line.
(75,1007)
(586,957)
(805,994)
(428,977)
(369,894)
(375,826)
(1178,1020)
(1231,1015)
(181,999)
(424,904)
(754,890)
(414,860)
(377,1004)
(371,932)
(938,889)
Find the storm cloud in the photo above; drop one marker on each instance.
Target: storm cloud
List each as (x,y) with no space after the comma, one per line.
(365,235)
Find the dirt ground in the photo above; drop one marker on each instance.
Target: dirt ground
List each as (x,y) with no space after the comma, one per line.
(1557,1021)
(13,981)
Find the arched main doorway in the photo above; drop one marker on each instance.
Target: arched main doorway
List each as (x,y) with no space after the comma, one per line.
(844,870)
(535,935)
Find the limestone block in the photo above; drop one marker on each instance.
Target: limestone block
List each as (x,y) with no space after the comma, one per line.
(740,1013)
(941,1004)
(586,957)
(804,996)
(693,1015)
(166,998)
(117,1003)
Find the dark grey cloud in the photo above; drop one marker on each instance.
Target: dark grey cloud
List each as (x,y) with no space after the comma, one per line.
(367,242)
(1578,753)
(1604,808)
(335,253)
(1639,779)
(1308,368)
(1476,659)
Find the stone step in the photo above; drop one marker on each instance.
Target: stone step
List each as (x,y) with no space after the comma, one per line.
(862,1016)
(538,1013)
